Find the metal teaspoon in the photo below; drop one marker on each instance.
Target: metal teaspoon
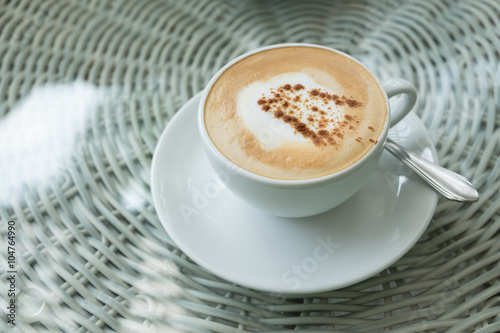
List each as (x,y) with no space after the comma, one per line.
(448,183)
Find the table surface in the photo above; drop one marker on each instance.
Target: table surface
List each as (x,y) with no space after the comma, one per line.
(88,252)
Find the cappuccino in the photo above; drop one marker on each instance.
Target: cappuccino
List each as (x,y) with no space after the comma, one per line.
(295,112)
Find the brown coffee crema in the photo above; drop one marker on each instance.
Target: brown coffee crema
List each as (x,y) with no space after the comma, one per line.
(333,118)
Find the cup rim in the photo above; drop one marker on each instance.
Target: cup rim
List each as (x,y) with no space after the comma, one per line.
(379,146)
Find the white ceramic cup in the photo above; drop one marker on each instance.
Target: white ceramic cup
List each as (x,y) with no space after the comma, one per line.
(305,197)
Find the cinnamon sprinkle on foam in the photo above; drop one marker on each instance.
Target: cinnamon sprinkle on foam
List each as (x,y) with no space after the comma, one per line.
(285,100)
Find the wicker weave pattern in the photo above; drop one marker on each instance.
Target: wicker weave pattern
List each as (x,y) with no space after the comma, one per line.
(91,253)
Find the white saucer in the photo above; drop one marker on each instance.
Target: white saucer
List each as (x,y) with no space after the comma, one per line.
(352,242)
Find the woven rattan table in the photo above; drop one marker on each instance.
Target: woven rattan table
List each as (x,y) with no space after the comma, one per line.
(86,89)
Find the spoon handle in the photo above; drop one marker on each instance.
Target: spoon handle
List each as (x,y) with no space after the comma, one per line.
(448,183)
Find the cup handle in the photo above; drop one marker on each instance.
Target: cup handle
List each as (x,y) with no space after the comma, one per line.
(400,106)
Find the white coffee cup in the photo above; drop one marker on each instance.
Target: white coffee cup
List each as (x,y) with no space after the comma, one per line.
(305,197)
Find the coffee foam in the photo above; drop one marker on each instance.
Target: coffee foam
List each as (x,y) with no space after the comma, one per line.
(315,114)
(295,112)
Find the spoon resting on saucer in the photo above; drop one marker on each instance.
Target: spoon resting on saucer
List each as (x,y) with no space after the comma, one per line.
(446,182)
